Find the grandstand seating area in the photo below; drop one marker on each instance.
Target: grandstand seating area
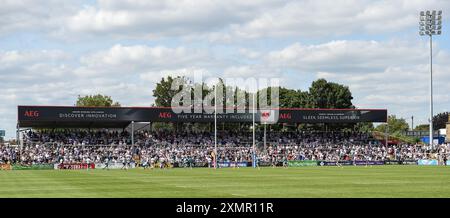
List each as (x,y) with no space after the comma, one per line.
(79,146)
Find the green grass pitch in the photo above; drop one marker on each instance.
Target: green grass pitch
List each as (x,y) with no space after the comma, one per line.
(350,181)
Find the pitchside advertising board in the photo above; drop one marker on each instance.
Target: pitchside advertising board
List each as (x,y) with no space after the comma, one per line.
(301,163)
(428,162)
(73,166)
(114,166)
(30,116)
(232,164)
(32,167)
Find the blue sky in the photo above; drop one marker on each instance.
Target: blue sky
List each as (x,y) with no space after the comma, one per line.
(52,51)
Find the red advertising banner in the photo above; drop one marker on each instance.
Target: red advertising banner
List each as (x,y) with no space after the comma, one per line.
(76,166)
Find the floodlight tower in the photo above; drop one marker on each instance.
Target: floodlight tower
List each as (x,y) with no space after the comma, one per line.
(431,24)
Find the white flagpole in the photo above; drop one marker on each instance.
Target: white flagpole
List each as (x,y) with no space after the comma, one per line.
(254,151)
(215,126)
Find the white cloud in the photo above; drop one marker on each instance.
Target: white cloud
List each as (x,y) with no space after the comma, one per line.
(125,60)
(249,53)
(214,20)
(163,18)
(343,55)
(37,15)
(14,57)
(18,67)
(404,91)
(255,71)
(226,21)
(191,73)
(324,18)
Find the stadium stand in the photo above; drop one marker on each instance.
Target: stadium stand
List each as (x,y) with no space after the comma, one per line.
(187,149)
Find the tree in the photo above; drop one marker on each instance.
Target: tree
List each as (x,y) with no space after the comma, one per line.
(163,92)
(324,94)
(290,98)
(395,125)
(96,101)
(422,127)
(440,120)
(363,127)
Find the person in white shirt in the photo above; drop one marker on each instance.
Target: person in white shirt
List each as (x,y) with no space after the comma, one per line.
(88,162)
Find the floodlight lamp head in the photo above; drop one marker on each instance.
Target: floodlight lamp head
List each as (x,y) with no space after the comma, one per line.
(430,22)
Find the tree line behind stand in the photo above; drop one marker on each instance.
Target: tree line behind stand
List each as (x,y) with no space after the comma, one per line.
(321,94)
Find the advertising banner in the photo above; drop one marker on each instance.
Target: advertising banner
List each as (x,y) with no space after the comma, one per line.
(195,164)
(114,165)
(392,162)
(232,164)
(333,163)
(301,163)
(428,162)
(5,166)
(202,164)
(371,162)
(409,162)
(74,166)
(33,167)
(33,116)
(269,164)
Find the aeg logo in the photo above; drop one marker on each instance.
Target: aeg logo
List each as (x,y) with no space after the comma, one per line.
(286,116)
(165,115)
(32,113)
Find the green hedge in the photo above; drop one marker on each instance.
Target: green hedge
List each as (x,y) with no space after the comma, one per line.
(302,163)
(33,167)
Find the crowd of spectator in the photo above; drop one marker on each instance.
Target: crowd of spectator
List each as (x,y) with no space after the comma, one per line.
(83,146)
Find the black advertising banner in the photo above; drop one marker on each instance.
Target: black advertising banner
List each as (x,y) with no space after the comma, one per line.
(368,162)
(90,114)
(332,115)
(333,163)
(30,115)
